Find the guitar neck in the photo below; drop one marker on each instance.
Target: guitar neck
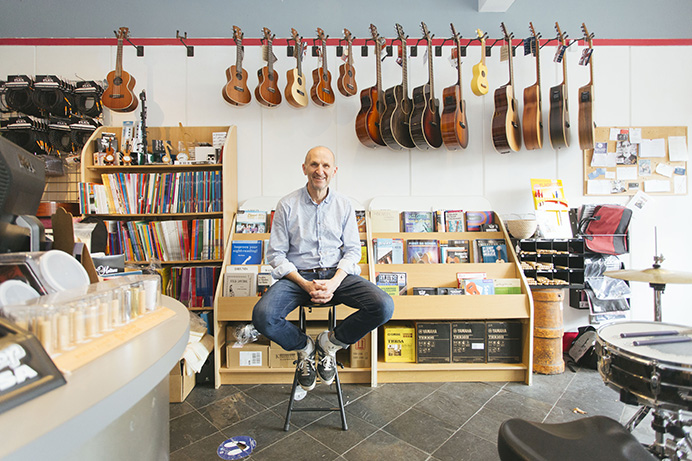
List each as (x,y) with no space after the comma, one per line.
(404,68)
(483,51)
(538,63)
(324,59)
(430,69)
(511,62)
(564,68)
(379,70)
(350,55)
(459,69)
(239,58)
(270,61)
(119,59)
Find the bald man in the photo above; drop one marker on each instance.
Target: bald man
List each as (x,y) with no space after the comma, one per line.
(314,249)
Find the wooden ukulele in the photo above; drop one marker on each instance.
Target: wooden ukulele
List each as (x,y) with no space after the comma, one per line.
(586,123)
(346,83)
(372,103)
(267,92)
(559,112)
(118,96)
(425,116)
(455,133)
(479,82)
(394,125)
(236,91)
(321,92)
(295,92)
(532,120)
(505,126)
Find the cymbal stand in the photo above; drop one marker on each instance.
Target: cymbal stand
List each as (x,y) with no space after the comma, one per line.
(659,288)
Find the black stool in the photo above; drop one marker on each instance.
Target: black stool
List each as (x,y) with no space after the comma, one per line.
(291,401)
(597,437)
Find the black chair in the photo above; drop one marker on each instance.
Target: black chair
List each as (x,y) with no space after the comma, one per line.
(291,401)
(596,437)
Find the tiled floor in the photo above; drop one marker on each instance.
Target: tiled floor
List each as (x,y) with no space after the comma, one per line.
(426,421)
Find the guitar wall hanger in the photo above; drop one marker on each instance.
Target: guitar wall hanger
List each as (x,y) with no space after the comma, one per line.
(139,48)
(182,38)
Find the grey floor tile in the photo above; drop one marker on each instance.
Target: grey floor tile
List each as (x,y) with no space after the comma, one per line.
(314,399)
(179,409)
(265,427)
(232,409)
(202,450)
(546,388)
(382,445)
(464,446)
(451,407)
(407,393)
(377,409)
(420,430)
(485,424)
(328,430)
(203,395)
(519,406)
(189,429)
(298,446)
(474,392)
(270,395)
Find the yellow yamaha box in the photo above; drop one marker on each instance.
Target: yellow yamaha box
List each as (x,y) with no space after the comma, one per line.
(399,343)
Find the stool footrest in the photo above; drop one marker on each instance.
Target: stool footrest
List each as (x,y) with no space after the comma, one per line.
(316,409)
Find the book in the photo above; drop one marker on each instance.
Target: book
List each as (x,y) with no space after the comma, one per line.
(360,220)
(462,276)
(251,222)
(479,287)
(425,251)
(417,221)
(399,277)
(507,286)
(388,250)
(439,218)
(363,252)
(491,251)
(384,220)
(246,252)
(264,279)
(388,282)
(454,220)
(455,252)
(478,221)
(240,281)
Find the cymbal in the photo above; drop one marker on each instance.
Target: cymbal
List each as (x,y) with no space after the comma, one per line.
(651,275)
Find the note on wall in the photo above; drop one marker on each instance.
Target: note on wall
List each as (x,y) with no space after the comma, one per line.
(677,149)
(653,148)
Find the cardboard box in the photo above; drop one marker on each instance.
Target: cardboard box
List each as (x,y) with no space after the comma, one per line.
(360,353)
(433,342)
(399,343)
(250,355)
(504,341)
(279,358)
(179,384)
(468,342)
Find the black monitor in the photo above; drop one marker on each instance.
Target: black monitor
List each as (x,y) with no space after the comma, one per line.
(22,180)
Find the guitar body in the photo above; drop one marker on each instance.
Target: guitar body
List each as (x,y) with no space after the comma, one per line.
(118,96)
(479,82)
(395,119)
(321,92)
(453,123)
(532,124)
(559,117)
(506,130)
(295,92)
(267,92)
(346,83)
(236,91)
(425,119)
(586,124)
(368,119)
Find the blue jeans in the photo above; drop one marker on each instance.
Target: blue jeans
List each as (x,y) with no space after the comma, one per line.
(375,308)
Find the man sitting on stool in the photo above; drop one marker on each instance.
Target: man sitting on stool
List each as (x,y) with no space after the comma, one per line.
(314,249)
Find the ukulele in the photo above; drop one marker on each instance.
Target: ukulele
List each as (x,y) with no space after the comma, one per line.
(559,113)
(267,92)
(455,133)
(295,85)
(479,82)
(372,102)
(506,131)
(425,116)
(586,124)
(398,106)
(118,96)
(236,91)
(532,123)
(321,91)
(346,83)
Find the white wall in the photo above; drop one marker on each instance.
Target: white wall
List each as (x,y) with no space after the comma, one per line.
(639,86)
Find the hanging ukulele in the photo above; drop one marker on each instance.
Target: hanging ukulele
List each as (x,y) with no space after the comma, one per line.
(236,91)
(372,102)
(346,83)
(295,80)
(425,116)
(479,82)
(586,123)
(559,112)
(532,121)
(321,91)
(506,131)
(118,96)
(455,133)
(267,92)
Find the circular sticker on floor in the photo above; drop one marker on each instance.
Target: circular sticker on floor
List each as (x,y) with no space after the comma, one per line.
(236,447)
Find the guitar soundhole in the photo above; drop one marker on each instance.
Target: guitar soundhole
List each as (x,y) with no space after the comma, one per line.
(238,88)
(300,81)
(271,77)
(555,95)
(239,75)
(271,90)
(118,81)
(585,96)
(449,100)
(350,73)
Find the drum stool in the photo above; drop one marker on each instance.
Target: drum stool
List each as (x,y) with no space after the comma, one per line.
(291,401)
(596,437)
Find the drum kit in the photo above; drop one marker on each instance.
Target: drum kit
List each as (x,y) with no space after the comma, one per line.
(650,364)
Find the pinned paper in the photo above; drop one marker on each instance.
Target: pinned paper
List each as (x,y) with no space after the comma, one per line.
(645,167)
(665,170)
(680,184)
(635,135)
(653,148)
(677,149)
(598,187)
(596,173)
(610,175)
(657,185)
(627,172)
(638,202)
(615,134)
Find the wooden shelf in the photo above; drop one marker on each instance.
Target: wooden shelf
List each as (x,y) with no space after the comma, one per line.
(187,262)
(159,216)
(389,372)
(254,375)
(155,168)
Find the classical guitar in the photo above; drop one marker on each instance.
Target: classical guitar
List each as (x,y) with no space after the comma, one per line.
(586,123)
(372,102)
(425,116)
(267,92)
(559,112)
(532,121)
(236,91)
(118,96)
(346,83)
(455,133)
(295,86)
(479,82)
(395,119)
(506,131)
(321,92)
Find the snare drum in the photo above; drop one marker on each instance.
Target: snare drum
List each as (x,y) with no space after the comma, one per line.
(657,375)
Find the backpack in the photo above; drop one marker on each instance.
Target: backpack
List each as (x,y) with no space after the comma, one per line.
(583,348)
(605,229)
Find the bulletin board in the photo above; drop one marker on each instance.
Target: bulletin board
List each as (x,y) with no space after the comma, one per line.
(626,160)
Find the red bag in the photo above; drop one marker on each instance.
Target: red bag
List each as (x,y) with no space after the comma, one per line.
(605,230)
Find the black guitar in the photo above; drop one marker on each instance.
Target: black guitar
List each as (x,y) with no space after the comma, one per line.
(425,117)
(398,106)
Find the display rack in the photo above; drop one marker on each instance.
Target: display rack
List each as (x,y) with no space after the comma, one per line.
(561,260)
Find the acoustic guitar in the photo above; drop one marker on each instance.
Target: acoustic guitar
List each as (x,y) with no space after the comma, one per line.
(532,121)
(295,92)
(346,83)
(559,112)
(267,92)
(321,92)
(479,82)
(398,106)
(236,91)
(425,116)
(455,133)
(372,102)
(118,96)
(586,123)
(506,130)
